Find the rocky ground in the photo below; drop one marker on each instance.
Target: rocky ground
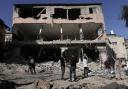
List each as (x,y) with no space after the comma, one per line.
(17,76)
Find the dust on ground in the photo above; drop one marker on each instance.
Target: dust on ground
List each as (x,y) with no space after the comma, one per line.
(48,76)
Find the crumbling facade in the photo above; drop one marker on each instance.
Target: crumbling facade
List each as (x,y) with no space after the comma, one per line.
(117,43)
(54,26)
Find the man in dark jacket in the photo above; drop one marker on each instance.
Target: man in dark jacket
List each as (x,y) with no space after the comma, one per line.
(72,68)
(62,61)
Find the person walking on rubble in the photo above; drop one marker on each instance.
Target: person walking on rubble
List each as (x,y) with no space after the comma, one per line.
(32,65)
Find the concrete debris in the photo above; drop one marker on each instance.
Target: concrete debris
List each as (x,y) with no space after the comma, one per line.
(94,82)
(19,70)
(12,68)
(37,84)
(53,67)
(49,73)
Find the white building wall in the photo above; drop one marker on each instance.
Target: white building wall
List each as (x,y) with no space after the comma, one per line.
(127,52)
(118,45)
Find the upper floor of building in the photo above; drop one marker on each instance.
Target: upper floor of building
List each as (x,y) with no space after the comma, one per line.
(58,13)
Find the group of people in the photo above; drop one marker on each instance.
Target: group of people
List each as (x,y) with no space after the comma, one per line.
(72,63)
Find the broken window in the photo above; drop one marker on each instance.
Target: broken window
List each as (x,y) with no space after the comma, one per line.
(29,11)
(73,14)
(38,11)
(25,12)
(92,10)
(60,13)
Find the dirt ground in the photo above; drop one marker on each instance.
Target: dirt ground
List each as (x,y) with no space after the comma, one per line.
(48,76)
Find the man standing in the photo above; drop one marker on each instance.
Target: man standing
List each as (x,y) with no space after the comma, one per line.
(85,65)
(72,68)
(32,65)
(62,61)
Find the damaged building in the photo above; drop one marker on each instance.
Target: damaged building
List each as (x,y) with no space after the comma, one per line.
(46,30)
(117,43)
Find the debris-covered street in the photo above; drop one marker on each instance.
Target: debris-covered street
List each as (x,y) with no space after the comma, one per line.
(49,76)
(62,46)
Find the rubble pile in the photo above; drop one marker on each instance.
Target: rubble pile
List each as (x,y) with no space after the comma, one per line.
(13,68)
(18,75)
(24,68)
(94,82)
(51,67)
(37,84)
(11,71)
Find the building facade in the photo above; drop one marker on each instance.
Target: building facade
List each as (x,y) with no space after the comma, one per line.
(60,25)
(117,43)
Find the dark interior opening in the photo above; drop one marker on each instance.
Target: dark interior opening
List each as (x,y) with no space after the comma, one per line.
(50,54)
(59,13)
(29,50)
(25,12)
(44,54)
(92,53)
(90,10)
(73,14)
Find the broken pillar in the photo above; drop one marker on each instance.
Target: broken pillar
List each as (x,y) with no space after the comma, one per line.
(81,33)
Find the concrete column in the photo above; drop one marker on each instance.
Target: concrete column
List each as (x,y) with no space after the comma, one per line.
(81,33)
(67,14)
(61,33)
(82,53)
(39,34)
